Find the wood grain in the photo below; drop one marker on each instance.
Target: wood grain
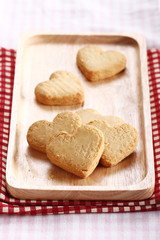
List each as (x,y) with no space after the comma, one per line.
(29,173)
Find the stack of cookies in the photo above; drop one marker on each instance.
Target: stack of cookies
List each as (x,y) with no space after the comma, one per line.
(77,146)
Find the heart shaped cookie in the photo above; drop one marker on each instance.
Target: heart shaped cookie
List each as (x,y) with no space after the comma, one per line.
(119,142)
(78,153)
(40,131)
(87,115)
(63,88)
(97,64)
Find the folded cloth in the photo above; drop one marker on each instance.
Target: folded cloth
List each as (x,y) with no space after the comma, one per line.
(10,205)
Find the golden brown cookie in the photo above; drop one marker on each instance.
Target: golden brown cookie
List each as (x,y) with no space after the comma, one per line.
(97,64)
(62,89)
(87,115)
(119,142)
(78,153)
(40,131)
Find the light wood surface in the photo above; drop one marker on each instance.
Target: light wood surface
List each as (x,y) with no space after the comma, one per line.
(30,175)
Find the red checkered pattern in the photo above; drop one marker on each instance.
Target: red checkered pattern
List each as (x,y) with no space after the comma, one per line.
(9,205)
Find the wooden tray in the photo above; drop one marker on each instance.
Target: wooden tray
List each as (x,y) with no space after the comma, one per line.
(29,173)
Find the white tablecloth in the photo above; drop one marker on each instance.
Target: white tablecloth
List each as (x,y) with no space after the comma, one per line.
(17,16)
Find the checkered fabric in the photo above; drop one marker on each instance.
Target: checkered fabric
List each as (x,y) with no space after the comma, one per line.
(9,205)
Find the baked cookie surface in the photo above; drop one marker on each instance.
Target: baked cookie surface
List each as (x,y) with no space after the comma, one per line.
(119,142)
(38,134)
(97,64)
(62,89)
(78,153)
(40,131)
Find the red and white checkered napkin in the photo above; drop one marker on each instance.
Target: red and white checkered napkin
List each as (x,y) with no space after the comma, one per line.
(14,206)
